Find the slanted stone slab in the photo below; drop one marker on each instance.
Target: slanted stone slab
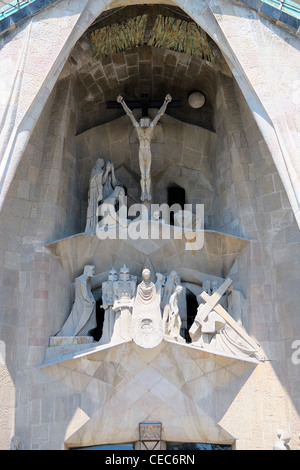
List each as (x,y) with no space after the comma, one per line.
(69,340)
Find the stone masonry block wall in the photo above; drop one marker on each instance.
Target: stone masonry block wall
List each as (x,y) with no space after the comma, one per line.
(268,270)
(35,292)
(45,202)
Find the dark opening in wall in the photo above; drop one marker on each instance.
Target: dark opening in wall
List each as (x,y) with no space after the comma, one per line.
(192,306)
(100,312)
(176,195)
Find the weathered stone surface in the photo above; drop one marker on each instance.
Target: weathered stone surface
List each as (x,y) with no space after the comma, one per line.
(238,156)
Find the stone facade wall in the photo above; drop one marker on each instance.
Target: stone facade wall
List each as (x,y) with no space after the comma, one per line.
(36,211)
(46,201)
(253,204)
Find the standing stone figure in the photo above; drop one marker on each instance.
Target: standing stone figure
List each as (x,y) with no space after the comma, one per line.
(173,280)
(107,305)
(102,184)
(160,284)
(124,292)
(147,326)
(145,131)
(171,317)
(82,318)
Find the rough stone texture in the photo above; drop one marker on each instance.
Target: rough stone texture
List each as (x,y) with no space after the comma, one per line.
(245,188)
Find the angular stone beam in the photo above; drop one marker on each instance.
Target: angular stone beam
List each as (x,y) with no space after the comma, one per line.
(213,300)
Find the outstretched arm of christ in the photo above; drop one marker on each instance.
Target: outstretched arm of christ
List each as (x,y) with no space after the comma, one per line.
(162,111)
(127,110)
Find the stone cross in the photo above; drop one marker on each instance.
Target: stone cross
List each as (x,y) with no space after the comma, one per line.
(228,318)
(212,301)
(144,104)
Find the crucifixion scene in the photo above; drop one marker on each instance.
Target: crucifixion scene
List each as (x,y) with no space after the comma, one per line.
(145,129)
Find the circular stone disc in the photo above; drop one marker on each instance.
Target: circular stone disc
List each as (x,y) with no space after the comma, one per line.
(196,100)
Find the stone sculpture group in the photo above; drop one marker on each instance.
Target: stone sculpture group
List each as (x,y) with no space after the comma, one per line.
(148,312)
(151,310)
(104,189)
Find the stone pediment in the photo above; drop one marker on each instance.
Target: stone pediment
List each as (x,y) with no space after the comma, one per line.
(186,388)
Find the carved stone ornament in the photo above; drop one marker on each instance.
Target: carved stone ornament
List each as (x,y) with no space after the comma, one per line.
(284,438)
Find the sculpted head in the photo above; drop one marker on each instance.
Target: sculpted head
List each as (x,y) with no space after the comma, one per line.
(121,191)
(89,270)
(214,286)
(146,274)
(160,277)
(124,273)
(206,286)
(174,276)
(113,275)
(100,163)
(179,289)
(145,122)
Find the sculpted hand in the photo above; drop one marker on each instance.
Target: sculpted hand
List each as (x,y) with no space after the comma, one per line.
(120,99)
(168,98)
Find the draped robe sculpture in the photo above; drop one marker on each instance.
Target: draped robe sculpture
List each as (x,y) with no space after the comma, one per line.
(82,318)
(147,325)
(124,292)
(102,184)
(107,305)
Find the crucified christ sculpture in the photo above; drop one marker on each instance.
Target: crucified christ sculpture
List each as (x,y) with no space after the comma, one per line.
(145,130)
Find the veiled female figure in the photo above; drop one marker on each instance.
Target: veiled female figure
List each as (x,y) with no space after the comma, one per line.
(102,184)
(98,174)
